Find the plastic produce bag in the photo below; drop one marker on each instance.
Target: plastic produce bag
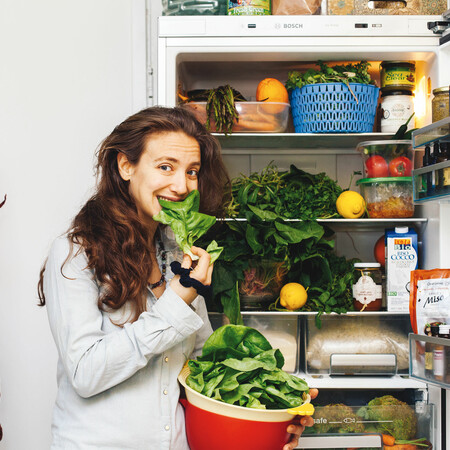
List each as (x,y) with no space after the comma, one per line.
(295,7)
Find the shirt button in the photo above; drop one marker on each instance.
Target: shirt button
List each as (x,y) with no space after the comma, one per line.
(165,391)
(167,428)
(166,359)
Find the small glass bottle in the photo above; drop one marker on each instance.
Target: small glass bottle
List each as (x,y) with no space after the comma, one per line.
(439,355)
(433,331)
(367,287)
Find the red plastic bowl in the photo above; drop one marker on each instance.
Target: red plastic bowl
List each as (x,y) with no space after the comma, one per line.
(206,430)
(211,424)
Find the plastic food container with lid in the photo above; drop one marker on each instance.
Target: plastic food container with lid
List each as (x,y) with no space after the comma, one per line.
(387,197)
(254,117)
(390,158)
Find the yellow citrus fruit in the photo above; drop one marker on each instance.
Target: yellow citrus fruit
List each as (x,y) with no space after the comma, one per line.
(350,205)
(293,296)
(271,90)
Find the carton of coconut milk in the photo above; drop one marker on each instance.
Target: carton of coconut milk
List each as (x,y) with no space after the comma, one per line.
(401,259)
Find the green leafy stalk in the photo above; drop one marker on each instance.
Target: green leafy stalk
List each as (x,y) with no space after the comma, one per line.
(188,224)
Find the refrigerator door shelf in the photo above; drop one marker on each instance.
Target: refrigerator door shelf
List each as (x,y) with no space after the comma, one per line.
(438,350)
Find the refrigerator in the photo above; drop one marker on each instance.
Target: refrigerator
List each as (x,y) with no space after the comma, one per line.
(203,52)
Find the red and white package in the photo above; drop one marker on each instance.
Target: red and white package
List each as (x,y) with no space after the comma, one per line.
(429,298)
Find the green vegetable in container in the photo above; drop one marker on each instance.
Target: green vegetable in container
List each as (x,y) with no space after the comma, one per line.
(239,366)
(188,224)
(391,416)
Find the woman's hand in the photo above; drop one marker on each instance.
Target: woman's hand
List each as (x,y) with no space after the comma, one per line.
(296,429)
(201,271)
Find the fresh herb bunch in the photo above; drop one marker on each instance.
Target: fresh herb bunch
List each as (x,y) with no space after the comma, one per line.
(341,73)
(293,194)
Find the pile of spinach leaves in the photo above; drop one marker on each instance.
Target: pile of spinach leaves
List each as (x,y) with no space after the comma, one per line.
(239,366)
(267,201)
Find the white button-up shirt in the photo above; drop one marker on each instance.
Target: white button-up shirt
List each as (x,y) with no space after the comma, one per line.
(117,386)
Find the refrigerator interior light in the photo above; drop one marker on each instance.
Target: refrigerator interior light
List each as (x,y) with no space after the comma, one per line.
(420,99)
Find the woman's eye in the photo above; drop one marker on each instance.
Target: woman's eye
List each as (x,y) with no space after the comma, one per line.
(193,173)
(165,167)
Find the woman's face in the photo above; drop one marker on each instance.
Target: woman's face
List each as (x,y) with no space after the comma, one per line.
(168,169)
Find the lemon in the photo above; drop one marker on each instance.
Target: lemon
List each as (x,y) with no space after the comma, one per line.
(293,296)
(350,205)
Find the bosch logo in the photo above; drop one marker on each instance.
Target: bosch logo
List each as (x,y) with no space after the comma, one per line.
(293,25)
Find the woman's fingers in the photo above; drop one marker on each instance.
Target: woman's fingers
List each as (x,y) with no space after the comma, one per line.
(203,269)
(187,262)
(313,393)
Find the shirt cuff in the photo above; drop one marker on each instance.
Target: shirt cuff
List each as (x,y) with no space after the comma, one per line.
(177,312)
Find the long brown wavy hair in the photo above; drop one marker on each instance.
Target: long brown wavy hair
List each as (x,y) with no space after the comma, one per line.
(108,228)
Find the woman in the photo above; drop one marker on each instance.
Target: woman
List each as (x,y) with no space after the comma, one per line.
(122,322)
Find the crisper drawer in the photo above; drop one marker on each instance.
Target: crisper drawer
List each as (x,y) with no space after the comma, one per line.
(280,330)
(364,344)
(381,422)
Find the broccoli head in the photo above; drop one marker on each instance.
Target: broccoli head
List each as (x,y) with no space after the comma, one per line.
(393,417)
(337,418)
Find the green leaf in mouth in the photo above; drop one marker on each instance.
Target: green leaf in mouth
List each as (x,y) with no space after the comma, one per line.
(187,223)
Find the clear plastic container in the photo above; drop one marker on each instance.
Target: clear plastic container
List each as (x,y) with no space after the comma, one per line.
(256,117)
(362,344)
(391,158)
(194,7)
(387,197)
(338,420)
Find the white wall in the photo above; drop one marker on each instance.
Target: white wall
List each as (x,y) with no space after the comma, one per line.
(66,78)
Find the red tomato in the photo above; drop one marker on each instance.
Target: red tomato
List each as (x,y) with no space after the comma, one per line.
(379,252)
(376,166)
(400,167)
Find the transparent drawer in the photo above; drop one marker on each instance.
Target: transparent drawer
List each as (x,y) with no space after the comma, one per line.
(384,420)
(356,345)
(430,359)
(280,330)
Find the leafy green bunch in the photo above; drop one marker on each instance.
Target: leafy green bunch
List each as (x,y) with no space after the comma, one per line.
(340,73)
(264,207)
(188,224)
(239,366)
(274,194)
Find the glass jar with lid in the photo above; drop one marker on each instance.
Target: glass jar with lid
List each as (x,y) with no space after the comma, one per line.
(440,104)
(367,286)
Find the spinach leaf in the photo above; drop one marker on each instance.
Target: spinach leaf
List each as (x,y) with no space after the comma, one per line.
(188,224)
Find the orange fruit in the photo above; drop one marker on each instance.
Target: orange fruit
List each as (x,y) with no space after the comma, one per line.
(271,90)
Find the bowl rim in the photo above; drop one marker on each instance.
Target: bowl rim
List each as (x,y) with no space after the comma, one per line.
(226,409)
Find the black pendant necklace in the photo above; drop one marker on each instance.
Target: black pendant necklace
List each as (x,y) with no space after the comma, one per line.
(163,265)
